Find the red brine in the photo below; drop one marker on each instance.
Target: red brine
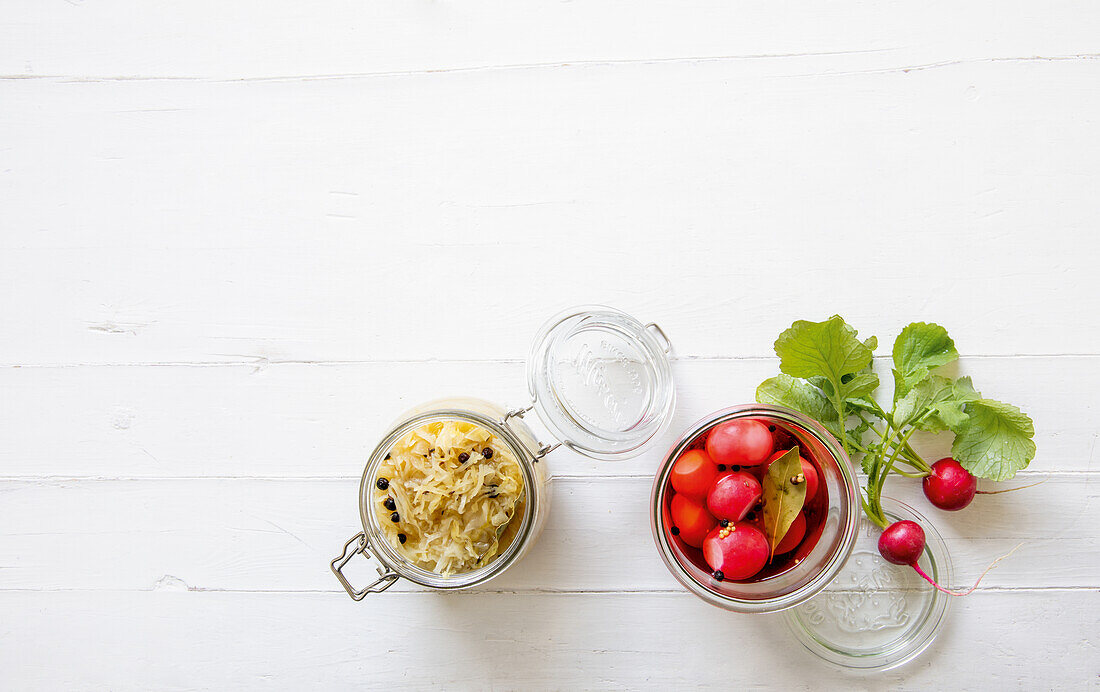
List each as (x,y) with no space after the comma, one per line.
(728,495)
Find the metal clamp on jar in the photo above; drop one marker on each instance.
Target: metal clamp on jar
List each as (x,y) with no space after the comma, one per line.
(601,383)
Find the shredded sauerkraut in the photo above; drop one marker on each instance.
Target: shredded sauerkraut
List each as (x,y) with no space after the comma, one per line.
(454,489)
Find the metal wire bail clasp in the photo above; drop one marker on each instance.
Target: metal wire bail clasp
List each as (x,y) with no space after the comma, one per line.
(519,413)
(666,344)
(383,582)
(516,413)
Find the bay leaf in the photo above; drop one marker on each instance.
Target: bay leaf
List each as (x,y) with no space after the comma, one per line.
(783,498)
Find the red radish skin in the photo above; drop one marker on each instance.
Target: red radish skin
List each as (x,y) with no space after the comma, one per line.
(692,519)
(733,495)
(740,442)
(950,487)
(794,535)
(738,551)
(693,473)
(902,543)
(808,470)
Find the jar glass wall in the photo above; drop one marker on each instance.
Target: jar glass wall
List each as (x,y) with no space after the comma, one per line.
(521,442)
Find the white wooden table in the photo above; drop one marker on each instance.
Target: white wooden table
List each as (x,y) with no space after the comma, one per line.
(238,238)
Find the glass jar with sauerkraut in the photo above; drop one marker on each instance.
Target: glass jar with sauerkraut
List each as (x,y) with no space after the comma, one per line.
(457,491)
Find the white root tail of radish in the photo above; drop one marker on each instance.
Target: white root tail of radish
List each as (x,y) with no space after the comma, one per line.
(969,591)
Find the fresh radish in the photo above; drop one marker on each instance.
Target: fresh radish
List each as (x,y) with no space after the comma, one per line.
(691,520)
(693,473)
(740,442)
(737,551)
(902,543)
(794,535)
(733,495)
(950,486)
(809,472)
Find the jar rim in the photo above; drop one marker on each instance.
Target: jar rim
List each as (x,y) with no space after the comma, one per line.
(848,532)
(391,558)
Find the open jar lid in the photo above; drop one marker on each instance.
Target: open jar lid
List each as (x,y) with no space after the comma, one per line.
(601,381)
(876,615)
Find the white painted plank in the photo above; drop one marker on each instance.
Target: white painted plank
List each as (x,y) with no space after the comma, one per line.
(154,641)
(280,535)
(312,420)
(111,38)
(447,215)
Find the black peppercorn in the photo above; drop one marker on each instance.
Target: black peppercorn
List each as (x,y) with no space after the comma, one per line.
(487,452)
(389,504)
(721,467)
(735,468)
(402,537)
(750,516)
(395,517)
(718,576)
(383,483)
(771,428)
(463,458)
(724,523)
(675,530)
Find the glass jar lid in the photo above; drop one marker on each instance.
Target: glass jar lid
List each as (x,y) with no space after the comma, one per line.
(876,615)
(601,381)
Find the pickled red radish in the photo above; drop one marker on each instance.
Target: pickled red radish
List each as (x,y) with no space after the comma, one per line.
(692,519)
(693,473)
(733,495)
(794,535)
(738,551)
(740,442)
(808,470)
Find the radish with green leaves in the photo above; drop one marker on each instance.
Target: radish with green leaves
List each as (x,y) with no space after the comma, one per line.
(949,486)
(826,373)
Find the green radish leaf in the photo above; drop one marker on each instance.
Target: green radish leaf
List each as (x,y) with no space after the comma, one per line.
(864,404)
(867,463)
(829,349)
(823,384)
(949,409)
(855,435)
(918,349)
(965,391)
(934,392)
(783,498)
(945,416)
(859,385)
(871,343)
(784,390)
(995,440)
